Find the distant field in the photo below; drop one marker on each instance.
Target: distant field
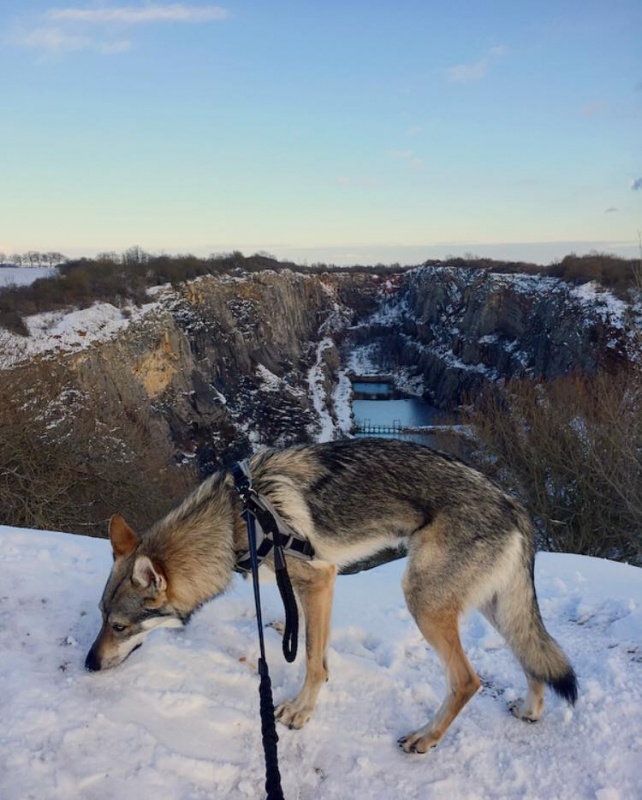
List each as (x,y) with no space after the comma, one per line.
(23,276)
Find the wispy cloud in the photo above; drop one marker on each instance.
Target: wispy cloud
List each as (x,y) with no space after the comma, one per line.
(113,48)
(56,40)
(409,157)
(610,210)
(174,12)
(636,184)
(465,73)
(414,130)
(72,29)
(475,71)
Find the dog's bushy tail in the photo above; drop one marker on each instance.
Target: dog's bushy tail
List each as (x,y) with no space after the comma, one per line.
(515,612)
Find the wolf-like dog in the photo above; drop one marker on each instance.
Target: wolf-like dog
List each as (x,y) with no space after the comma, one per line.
(468,544)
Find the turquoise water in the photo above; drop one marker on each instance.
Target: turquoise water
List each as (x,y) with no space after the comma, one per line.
(371,388)
(412,412)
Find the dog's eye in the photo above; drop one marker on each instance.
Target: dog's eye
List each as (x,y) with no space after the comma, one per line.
(118,628)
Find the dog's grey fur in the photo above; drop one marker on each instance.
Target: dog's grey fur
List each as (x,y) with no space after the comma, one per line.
(468,545)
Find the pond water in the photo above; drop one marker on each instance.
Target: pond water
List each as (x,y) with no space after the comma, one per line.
(411,412)
(371,388)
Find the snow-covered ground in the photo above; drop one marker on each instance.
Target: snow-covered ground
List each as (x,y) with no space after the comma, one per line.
(316,379)
(609,307)
(22,276)
(179,719)
(71,330)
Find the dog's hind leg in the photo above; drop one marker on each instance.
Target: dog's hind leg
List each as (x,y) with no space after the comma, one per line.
(314,587)
(435,594)
(442,632)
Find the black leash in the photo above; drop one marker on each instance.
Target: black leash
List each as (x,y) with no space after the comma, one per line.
(257,509)
(268,724)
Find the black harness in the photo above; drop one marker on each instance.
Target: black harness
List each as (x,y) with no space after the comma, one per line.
(266,531)
(272,531)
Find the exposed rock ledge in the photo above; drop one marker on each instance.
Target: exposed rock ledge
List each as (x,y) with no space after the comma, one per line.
(230,363)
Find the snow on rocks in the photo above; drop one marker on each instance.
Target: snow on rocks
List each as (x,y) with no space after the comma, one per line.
(602,302)
(54,331)
(316,382)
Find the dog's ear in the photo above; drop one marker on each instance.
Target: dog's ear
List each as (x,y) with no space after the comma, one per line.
(123,539)
(146,574)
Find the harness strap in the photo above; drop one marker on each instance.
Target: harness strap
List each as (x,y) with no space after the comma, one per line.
(271,532)
(300,548)
(272,529)
(263,521)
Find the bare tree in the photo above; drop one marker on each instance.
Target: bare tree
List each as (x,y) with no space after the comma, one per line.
(53,258)
(70,457)
(637,270)
(33,258)
(109,256)
(135,255)
(572,449)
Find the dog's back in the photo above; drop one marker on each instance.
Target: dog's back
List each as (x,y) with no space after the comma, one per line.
(469,544)
(365,494)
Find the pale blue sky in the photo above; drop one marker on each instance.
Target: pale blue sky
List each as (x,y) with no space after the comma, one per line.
(336,131)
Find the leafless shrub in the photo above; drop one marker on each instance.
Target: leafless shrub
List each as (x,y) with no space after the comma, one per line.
(572,449)
(69,459)
(610,271)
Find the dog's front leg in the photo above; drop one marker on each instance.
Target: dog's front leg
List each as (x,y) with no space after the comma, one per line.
(314,586)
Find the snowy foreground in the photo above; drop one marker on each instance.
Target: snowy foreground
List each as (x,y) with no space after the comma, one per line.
(179,719)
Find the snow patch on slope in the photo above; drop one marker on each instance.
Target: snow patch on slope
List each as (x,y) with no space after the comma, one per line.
(54,331)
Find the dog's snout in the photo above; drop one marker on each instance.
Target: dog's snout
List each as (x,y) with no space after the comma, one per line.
(91,662)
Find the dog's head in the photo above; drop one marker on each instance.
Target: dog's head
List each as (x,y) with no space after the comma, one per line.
(134,601)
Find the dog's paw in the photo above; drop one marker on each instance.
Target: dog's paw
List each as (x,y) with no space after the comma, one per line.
(292,714)
(522,710)
(420,741)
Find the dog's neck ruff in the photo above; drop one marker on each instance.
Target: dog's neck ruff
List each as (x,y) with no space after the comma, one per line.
(271,528)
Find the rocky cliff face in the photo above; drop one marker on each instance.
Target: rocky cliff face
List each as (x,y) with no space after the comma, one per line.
(226,363)
(110,400)
(223,362)
(458,329)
